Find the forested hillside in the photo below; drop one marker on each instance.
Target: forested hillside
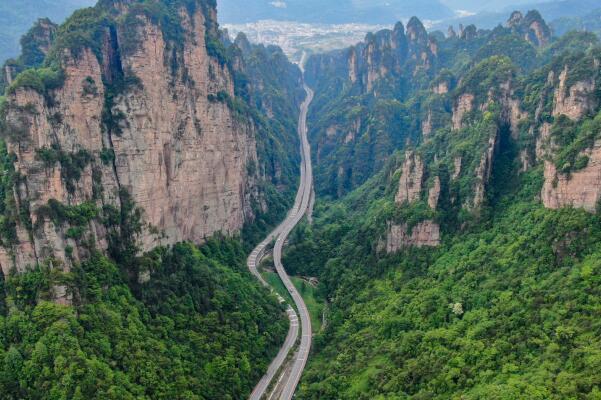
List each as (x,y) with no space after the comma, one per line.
(198,329)
(456,234)
(457,237)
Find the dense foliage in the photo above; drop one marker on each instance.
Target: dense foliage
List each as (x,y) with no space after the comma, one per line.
(507,306)
(505,309)
(507,312)
(199,328)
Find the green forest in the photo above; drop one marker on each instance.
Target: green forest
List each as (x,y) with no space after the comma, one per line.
(508,305)
(200,328)
(507,310)
(454,250)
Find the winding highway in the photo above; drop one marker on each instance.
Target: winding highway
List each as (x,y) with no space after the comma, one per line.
(280,234)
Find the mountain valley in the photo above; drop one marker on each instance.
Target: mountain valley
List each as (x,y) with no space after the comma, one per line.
(438,193)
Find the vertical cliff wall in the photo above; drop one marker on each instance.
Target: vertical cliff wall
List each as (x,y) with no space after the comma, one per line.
(135,128)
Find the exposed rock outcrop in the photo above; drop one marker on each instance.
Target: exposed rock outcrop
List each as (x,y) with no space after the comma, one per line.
(532,27)
(581,189)
(427,124)
(171,139)
(441,88)
(424,234)
(457,165)
(411,181)
(543,141)
(9,73)
(434,194)
(483,173)
(575,101)
(463,105)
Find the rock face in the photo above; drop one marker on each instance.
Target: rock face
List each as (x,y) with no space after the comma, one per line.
(484,172)
(426,233)
(441,88)
(580,189)
(170,139)
(575,101)
(457,167)
(464,104)
(182,157)
(411,181)
(427,125)
(543,141)
(434,194)
(511,111)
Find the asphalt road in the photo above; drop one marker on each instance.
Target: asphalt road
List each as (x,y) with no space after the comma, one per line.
(280,234)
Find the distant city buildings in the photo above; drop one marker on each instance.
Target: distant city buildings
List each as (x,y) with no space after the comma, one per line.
(294,38)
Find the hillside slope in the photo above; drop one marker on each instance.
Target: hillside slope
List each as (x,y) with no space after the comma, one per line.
(457,236)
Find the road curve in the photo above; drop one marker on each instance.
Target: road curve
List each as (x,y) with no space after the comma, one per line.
(280,234)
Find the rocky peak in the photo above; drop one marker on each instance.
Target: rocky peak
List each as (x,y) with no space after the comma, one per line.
(532,27)
(35,45)
(416,32)
(39,38)
(398,30)
(243,43)
(515,20)
(470,32)
(539,33)
(451,34)
(386,53)
(399,38)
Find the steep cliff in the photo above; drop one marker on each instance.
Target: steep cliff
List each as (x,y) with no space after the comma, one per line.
(140,130)
(567,143)
(412,179)
(424,234)
(458,133)
(382,58)
(404,85)
(532,27)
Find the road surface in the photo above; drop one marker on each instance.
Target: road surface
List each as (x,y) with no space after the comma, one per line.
(280,234)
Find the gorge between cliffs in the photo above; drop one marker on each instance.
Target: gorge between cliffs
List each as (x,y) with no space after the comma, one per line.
(187,215)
